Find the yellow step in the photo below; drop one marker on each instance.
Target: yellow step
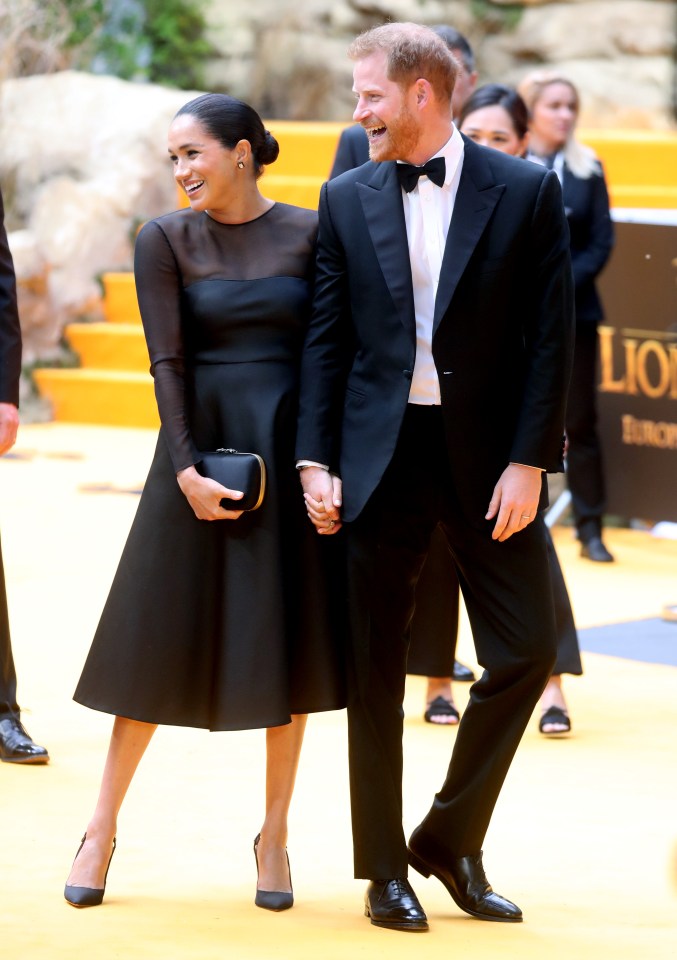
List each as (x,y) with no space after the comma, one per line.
(124,399)
(109,346)
(120,303)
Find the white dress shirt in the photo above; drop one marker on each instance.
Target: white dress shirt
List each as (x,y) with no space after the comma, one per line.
(427,214)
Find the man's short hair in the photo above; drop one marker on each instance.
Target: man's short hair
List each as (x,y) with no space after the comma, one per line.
(412,52)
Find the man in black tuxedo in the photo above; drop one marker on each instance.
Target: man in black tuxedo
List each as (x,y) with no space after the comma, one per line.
(433,385)
(434,627)
(16,746)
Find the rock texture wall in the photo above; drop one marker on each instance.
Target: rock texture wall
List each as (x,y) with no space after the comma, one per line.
(83,158)
(288,56)
(83,163)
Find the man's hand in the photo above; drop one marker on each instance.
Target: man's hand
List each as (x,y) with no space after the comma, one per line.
(515,500)
(322,493)
(9,424)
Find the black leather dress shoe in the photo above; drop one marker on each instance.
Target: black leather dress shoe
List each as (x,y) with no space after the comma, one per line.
(594,549)
(461,673)
(466,881)
(393,904)
(16,746)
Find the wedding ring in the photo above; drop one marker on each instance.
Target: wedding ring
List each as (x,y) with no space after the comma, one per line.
(525,517)
(332,523)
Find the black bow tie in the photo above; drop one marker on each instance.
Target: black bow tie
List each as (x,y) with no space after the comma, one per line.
(434,169)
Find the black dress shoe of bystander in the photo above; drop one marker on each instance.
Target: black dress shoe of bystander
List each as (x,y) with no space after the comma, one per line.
(16,746)
(594,549)
(461,673)
(393,904)
(465,880)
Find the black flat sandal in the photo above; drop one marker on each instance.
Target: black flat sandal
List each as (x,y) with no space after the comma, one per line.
(555,715)
(439,707)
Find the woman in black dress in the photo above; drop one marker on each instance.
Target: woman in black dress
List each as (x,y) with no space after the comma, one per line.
(207,624)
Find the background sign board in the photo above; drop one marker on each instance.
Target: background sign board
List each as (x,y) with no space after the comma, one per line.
(637,387)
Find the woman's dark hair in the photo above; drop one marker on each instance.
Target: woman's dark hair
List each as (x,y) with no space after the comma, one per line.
(498,95)
(229,120)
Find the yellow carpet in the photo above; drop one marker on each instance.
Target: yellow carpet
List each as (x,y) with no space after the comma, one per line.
(584,837)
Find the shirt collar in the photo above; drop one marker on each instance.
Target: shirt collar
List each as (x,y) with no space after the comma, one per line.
(452,151)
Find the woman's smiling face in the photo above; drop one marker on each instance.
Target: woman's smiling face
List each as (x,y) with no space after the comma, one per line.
(205,169)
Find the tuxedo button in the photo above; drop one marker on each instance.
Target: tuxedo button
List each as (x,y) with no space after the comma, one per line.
(408,374)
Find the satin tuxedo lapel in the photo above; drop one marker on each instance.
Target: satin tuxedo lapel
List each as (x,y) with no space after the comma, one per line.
(476,199)
(381,199)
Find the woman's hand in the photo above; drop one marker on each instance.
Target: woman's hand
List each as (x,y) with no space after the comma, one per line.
(205,495)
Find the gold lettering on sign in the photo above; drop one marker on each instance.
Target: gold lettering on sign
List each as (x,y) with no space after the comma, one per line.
(649,365)
(606,353)
(649,433)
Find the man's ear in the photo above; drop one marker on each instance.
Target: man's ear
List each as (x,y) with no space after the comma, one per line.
(423,92)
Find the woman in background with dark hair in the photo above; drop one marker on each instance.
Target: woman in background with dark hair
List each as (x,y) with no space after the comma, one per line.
(496,116)
(207,624)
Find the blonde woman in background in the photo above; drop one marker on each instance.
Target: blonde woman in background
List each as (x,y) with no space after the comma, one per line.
(553,103)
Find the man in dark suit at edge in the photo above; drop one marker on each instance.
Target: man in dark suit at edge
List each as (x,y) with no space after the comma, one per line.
(433,390)
(16,746)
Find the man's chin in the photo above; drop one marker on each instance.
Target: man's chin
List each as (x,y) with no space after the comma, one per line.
(378,152)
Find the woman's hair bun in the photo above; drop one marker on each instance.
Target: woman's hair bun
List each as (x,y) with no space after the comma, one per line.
(269,150)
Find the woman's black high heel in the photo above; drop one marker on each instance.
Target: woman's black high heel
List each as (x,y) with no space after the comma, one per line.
(87,896)
(272,899)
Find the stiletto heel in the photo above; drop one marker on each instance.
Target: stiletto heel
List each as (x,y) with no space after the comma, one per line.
(272,899)
(87,896)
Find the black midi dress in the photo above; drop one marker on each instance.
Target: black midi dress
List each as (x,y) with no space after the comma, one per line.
(228,624)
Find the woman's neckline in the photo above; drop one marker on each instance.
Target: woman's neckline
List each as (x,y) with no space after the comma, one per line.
(240,223)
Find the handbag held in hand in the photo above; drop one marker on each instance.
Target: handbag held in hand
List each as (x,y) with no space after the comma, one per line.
(237,471)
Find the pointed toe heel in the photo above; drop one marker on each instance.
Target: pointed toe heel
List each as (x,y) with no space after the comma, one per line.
(272,899)
(87,896)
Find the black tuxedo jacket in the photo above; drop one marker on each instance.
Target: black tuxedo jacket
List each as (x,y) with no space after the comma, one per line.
(502,336)
(10,331)
(586,203)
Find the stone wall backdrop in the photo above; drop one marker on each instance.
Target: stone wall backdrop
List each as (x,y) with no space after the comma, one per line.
(288,56)
(83,157)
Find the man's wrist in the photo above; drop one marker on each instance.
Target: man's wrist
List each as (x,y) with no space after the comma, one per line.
(529,466)
(304,464)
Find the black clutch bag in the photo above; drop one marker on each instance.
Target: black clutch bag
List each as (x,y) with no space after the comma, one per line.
(237,471)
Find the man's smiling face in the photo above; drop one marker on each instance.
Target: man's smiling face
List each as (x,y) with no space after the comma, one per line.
(384,109)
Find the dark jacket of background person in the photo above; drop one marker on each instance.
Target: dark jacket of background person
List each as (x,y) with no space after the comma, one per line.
(586,203)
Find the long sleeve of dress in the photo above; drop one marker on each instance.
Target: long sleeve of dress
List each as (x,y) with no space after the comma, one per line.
(159,291)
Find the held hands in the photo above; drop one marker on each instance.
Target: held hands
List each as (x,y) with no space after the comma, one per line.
(323,495)
(205,495)
(9,424)
(515,500)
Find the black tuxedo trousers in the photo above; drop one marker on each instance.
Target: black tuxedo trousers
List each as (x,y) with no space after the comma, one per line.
(8,704)
(506,588)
